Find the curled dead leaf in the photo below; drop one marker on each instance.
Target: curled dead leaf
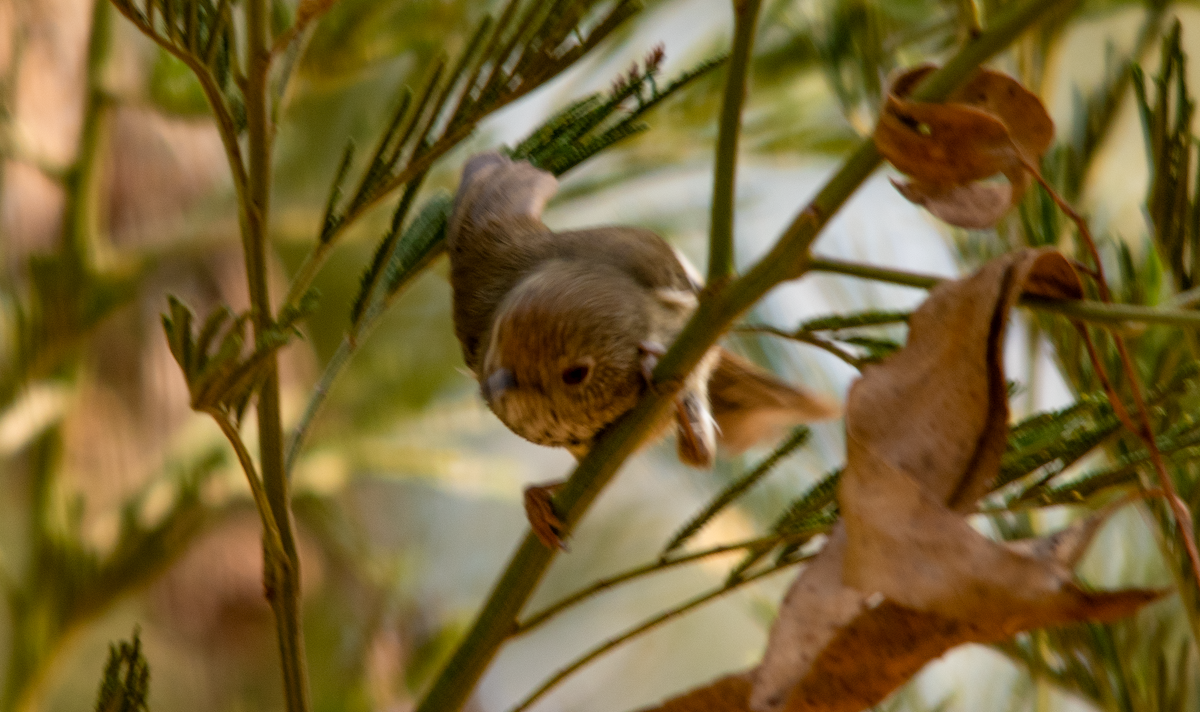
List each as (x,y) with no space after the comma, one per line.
(903,577)
(975,205)
(990,126)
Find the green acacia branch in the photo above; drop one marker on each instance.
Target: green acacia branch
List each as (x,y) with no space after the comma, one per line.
(281,578)
(720,246)
(1077,310)
(223,117)
(271,539)
(788,259)
(968,13)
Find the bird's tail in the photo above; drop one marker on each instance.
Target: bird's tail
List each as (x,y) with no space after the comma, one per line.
(751,405)
(496,188)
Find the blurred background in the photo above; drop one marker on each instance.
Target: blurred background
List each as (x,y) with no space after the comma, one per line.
(119,506)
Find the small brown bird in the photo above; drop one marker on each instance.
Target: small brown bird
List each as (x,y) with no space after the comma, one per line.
(563,330)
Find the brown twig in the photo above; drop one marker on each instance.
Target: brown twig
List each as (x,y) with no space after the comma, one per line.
(1118,406)
(1183,517)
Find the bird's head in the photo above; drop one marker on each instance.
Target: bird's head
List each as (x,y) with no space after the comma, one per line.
(562,358)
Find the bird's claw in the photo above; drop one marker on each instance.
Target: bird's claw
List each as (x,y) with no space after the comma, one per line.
(547,526)
(697,439)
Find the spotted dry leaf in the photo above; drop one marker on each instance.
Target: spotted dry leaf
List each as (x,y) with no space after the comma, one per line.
(903,577)
(992,126)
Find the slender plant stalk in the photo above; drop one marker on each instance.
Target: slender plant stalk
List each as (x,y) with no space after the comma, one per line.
(347,348)
(736,489)
(386,248)
(281,579)
(805,337)
(643,627)
(720,246)
(334,368)
(1077,310)
(969,17)
(271,539)
(766,542)
(874,272)
(716,312)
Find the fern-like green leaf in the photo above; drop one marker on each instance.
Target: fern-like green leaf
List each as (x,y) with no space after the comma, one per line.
(736,489)
(126,680)
(596,122)
(383,252)
(1056,440)
(423,240)
(814,511)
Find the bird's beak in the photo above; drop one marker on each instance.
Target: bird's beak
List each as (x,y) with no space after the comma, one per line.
(496,384)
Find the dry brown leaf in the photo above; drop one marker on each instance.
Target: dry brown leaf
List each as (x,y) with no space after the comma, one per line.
(1021,111)
(903,577)
(976,205)
(725,695)
(991,126)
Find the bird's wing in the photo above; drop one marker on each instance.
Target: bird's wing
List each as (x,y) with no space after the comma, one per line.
(495,235)
(751,405)
(640,253)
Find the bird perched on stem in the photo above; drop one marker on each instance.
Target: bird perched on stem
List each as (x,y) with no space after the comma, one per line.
(563,330)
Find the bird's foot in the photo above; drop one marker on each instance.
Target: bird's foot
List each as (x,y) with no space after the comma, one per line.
(696,430)
(539,510)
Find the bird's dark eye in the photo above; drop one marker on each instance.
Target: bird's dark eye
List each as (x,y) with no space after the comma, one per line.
(576,374)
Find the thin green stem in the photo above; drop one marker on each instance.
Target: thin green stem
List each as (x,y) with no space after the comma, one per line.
(281,579)
(767,542)
(332,370)
(788,259)
(642,628)
(1105,313)
(349,346)
(736,489)
(720,246)
(806,337)
(271,538)
(874,272)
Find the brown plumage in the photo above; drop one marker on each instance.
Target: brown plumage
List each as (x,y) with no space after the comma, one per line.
(562,329)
